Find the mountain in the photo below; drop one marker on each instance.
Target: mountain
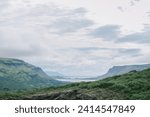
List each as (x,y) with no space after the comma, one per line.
(130,86)
(17,75)
(118,70)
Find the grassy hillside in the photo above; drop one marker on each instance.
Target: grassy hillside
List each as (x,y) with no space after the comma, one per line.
(17,75)
(133,85)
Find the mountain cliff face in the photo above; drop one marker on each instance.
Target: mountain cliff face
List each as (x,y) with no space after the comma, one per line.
(118,70)
(16,74)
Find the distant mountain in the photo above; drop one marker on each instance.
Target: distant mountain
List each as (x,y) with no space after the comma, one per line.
(118,70)
(52,73)
(16,75)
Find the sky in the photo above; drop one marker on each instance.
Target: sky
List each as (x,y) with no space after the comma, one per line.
(76,37)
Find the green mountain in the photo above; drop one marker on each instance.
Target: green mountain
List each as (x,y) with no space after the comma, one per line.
(133,85)
(118,70)
(17,75)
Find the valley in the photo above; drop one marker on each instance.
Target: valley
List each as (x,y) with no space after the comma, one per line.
(129,86)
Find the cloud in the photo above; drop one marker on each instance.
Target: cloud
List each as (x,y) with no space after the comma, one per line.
(84,49)
(130,52)
(140,37)
(49,17)
(137,0)
(107,32)
(97,53)
(127,5)
(65,39)
(4,4)
(97,58)
(120,8)
(67,25)
(113,33)
(148,14)
(32,27)
(54,10)
(132,3)
(33,33)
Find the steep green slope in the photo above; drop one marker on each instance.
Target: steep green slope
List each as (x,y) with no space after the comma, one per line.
(16,74)
(133,85)
(118,70)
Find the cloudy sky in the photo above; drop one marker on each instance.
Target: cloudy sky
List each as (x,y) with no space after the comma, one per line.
(76,37)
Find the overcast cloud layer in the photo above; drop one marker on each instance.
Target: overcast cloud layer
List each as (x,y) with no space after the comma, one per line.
(81,38)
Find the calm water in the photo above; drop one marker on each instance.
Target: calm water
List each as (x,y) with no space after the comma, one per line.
(76,79)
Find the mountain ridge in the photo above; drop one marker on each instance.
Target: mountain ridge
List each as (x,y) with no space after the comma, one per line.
(16,74)
(119,70)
